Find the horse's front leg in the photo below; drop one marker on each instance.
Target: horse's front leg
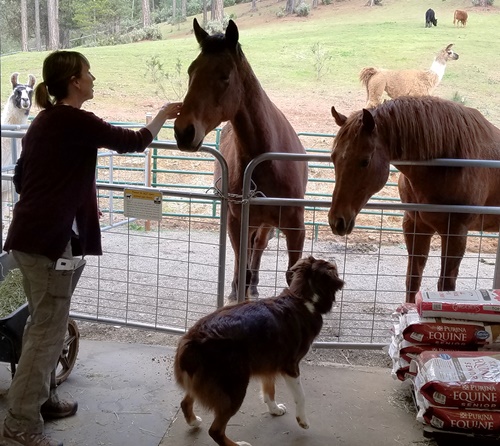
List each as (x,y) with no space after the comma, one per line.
(295,235)
(453,245)
(257,244)
(418,241)
(233,227)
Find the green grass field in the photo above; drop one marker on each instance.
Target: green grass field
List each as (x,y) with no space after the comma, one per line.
(280,51)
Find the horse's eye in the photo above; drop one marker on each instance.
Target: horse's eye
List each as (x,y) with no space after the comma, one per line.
(365,162)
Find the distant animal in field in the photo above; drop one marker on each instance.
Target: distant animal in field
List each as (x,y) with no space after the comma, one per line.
(223,87)
(265,338)
(430,18)
(460,17)
(405,82)
(15,112)
(418,129)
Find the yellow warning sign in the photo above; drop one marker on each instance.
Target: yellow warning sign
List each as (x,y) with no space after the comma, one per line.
(145,204)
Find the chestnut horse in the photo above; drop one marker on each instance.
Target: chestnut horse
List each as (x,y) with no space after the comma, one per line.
(417,129)
(223,87)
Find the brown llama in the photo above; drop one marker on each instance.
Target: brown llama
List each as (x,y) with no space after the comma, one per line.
(460,17)
(405,82)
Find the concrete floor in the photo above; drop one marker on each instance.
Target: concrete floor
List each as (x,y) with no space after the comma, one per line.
(127,397)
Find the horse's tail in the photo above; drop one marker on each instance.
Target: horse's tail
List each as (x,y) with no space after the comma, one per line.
(366,74)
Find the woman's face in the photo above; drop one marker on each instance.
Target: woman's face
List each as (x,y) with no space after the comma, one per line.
(86,83)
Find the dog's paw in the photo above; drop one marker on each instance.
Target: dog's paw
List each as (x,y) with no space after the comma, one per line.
(243,443)
(278,410)
(303,423)
(196,422)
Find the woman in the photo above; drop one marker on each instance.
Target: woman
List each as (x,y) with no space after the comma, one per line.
(56,219)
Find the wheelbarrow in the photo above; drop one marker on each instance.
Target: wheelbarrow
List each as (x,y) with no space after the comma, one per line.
(11,336)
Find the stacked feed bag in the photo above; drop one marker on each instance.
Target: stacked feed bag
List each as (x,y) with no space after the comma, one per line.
(458,391)
(475,305)
(414,334)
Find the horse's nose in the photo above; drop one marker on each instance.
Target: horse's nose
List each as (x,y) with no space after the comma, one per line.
(339,226)
(184,137)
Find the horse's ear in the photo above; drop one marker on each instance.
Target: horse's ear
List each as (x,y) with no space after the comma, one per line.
(232,35)
(368,121)
(31,80)
(199,32)
(13,79)
(340,119)
(449,46)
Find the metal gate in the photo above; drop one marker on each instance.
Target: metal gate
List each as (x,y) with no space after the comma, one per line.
(165,276)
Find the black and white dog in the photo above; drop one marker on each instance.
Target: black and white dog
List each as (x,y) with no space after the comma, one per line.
(430,18)
(217,357)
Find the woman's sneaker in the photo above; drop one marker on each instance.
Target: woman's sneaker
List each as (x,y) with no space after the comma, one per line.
(60,409)
(15,438)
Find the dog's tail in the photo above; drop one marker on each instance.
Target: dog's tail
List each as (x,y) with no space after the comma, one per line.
(188,357)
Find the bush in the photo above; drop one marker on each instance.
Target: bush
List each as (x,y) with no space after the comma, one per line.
(302,10)
(482,2)
(215,27)
(280,13)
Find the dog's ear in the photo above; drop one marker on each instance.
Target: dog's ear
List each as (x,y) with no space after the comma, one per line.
(326,273)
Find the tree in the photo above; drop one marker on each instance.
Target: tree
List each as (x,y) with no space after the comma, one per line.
(38,40)
(146,14)
(53,23)
(217,10)
(183,9)
(290,6)
(24,25)
(205,20)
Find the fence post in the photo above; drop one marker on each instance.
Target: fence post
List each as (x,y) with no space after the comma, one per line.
(148,173)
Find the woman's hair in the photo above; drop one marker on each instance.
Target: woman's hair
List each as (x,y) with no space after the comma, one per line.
(59,68)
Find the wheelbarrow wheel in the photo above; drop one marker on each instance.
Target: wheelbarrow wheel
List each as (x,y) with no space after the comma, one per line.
(69,352)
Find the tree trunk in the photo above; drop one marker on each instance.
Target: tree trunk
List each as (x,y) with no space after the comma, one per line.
(205,13)
(254,6)
(38,40)
(174,11)
(183,9)
(218,12)
(146,14)
(24,25)
(314,4)
(52,17)
(290,6)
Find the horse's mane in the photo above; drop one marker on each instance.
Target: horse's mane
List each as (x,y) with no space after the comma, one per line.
(429,127)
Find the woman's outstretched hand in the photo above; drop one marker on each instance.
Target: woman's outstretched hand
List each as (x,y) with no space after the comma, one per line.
(171,109)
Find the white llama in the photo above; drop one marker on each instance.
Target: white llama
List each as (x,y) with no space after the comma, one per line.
(15,112)
(405,82)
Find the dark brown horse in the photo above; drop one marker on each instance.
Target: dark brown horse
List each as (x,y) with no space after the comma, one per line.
(223,87)
(417,129)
